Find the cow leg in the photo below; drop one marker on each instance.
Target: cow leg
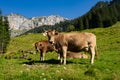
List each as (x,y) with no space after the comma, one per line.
(58,56)
(64,48)
(42,54)
(61,56)
(92,51)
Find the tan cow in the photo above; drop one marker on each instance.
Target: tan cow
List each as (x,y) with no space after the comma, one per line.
(43,47)
(72,55)
(73,41)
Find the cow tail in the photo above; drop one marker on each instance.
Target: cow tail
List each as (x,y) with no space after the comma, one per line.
(96,52)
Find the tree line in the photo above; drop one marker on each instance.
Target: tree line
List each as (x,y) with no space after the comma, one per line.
(103,14)
(4,33)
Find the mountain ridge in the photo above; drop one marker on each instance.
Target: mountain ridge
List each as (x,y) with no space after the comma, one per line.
(19,24)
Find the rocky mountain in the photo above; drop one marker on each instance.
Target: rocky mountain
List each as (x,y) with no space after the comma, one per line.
(19,24)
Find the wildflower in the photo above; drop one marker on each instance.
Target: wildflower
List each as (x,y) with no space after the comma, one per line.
(61,79)
(65,68)
(57,71)
(43,74)
(44,79)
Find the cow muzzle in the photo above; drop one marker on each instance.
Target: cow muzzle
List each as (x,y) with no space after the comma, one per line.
(52,42)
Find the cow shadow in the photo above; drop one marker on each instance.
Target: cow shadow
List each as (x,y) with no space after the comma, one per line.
(50,61)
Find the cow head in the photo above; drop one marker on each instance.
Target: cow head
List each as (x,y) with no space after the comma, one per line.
(50,33)
(52,39)
(38,46)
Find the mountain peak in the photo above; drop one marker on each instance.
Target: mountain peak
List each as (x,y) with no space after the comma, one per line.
(19,22)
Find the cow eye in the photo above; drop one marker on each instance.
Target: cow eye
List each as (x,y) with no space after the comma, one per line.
(56,33)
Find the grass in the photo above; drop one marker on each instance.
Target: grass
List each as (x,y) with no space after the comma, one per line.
(13,66)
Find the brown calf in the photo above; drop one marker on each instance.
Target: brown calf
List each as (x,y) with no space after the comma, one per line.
(43,47)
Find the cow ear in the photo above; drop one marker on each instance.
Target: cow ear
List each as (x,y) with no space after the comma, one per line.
(54,32)
(45,33)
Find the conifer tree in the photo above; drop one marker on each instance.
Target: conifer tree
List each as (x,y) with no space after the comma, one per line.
(86,23)
(70,28)
(99,20)
(1,31)
(80,24)
(4,33)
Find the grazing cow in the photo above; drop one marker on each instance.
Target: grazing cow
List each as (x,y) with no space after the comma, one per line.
(43,47)
(73,41)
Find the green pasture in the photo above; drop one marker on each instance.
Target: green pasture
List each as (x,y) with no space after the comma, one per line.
(18,65)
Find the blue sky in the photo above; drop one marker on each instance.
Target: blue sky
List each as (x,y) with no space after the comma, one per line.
(33,8)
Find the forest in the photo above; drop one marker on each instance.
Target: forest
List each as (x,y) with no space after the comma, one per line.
(103,14)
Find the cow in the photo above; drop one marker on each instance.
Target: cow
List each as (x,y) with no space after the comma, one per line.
(72,41)
(43,47)
(73,55)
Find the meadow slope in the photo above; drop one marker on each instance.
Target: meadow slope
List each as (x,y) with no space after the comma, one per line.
(18,65)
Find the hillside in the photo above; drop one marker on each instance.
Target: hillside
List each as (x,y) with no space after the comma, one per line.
(106,67)
(104,34)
